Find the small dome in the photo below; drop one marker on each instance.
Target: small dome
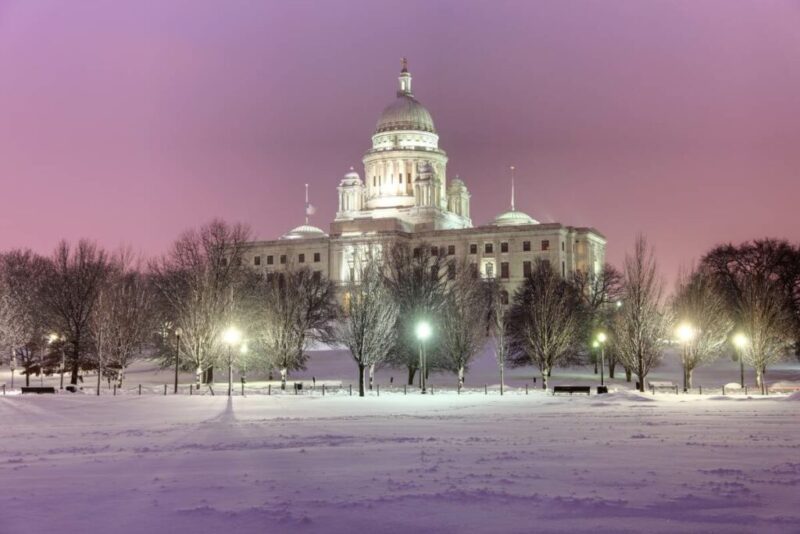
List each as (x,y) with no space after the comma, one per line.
(405,113)
(305,231)
(513,218)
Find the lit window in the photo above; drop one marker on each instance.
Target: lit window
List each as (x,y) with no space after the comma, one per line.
(545,244)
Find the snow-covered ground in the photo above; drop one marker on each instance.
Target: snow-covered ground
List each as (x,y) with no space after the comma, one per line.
(623,462)
(442,463)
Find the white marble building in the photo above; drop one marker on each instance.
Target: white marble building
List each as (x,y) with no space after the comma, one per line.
(405,195)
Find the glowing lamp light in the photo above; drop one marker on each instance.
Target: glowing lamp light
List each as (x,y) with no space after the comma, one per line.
(595,344)
(685,333)
(52,338)
(232,336)
(602,337)
(423,330)
(740,340)
(244,348)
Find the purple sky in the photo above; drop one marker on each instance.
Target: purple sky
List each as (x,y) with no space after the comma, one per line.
(128,122)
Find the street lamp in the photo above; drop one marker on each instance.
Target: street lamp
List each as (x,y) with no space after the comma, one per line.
(423,332)
(232,336)
(178,334)
(601,340)
(740,341)
(686,334)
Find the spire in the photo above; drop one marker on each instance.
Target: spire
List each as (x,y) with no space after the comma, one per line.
(310,210)
(512,187)
(405,79)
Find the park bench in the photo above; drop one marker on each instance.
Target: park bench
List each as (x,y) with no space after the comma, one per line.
(572,389)
(658,385)
(38,389)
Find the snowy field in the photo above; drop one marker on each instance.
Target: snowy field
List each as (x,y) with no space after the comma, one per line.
(623,462)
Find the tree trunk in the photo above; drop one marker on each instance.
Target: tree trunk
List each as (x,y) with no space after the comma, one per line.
(545,376)
(689,373)
(760,382)
(198,375)
(640,372)
(99,374)
(461,377)
(371,376)
(612,364)
(74,373)
(361,370)
(502,377)
(628,374)
(284,375)
(411,372)
(27,378)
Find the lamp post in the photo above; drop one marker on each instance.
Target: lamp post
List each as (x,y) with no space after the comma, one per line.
(232,336)
(423,332)
(740,341)
(601,340)
(52,338)
(178,334)
(686,333)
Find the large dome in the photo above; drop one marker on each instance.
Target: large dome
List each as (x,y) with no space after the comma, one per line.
(405,113)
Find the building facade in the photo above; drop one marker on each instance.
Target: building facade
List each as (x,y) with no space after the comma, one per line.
(405,196)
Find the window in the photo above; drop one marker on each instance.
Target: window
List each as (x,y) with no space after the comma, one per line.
(545,244)
(451,250)
(526,269)
(257,260)
(283,259)
(301,258)
(504,247)
(489,270)
(504,269)
(316,257)
(504,297)
(526,246)
(545,263)
(562,246)
(473,248)
(488,248)
(563,270)
(473,269)
(451,271)
(317,276)
(417,252)
(269,260)
(434,251)
(434,272)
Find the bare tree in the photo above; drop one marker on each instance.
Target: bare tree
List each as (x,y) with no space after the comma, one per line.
(642,325)
(417,281)
(498,324)
(545,321)
(199,284)
(297,308)
(700,307)
(765,317)
(125,318)
(464,321)
(367,324)
(761,283)
(600,293)
(22,321)
(71,287)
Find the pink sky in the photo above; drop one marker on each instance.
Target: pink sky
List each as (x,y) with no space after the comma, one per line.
(128,122)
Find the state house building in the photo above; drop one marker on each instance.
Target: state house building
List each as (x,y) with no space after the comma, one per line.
(405,195)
